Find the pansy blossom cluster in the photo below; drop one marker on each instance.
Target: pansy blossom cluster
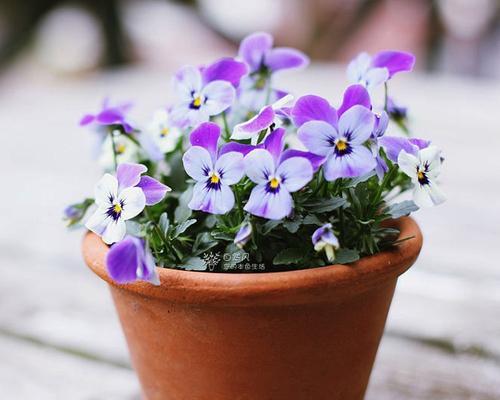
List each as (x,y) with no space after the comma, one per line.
(238,168)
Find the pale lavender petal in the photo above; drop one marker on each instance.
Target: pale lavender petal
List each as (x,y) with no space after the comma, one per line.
(358,162)
(315,160)
(129,174)
(253,126)
(133,200)
(394,61)
(285,58)
(318,233)
(381,168)
(394,145)
(420,143)
(122,261)
(259,165)
(213,201)
(219,96)
(295,173)
(186,82)
(244,234)
(318,137)
(198,163)
(206,135)
(313,108)
(375,77)
(225,69)
(270,205)
(254,47)
(235,146)
(356,124)
(354,95)
(275,143)
(358,67)
(230,167)
(154,190)
(381,124)
(87,119)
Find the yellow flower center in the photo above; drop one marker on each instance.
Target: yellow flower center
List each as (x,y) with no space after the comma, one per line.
(214,178)
(274,183)
(164,132)
(420,175)
(117,208)
(197,102)
(120,148)
(341,145)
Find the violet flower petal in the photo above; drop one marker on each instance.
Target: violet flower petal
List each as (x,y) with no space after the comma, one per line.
(357,124)
(122,261)
(225,69)
(315,160)
(358,162)
(219,96)
(254,47)
(197,163)
(213,201)
(206,135)
(355,95)
(265,204)
(274,143)
(87,119)
(238,147)
(259,165)
(230,167)
(295,173)
(129,174)
(394,61)
(318,137)
(285,58)
(393,145)
(154,190)
(313,108)
(259,122)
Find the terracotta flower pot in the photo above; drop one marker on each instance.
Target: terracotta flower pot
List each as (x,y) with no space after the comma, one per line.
(299,335)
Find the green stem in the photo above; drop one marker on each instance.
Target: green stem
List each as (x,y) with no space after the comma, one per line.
(386,95)
(113,145)
(227,132)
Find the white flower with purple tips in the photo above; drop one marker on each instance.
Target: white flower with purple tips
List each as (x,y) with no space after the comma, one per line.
(341,140)
(423,169)
(213,170)
(205,93)
(372,71)
(325,240)
(277,175)
(131,260)
(121,198)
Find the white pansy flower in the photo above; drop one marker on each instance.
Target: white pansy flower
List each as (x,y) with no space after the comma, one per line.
(126,151)
(115,205)
(164,135)
(423,169)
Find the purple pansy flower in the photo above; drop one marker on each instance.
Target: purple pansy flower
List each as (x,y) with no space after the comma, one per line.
(214,171)
(121,198)
(109,115)
(396,111)
(244,234)
(325,240)
(393,145)
(372,71)
(131,260)
(381,124)
(340,140)
(265,119)
(263,60)
(202,94)
(277,174)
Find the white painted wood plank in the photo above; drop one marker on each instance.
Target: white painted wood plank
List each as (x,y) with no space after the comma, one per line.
(29,372)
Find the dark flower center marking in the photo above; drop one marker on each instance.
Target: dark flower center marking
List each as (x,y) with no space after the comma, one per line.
(213,181)
(164,132)
(197,102)
(273,185)
(342,147)
(422,177)
(115,210)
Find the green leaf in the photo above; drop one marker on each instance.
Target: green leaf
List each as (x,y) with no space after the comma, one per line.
(289,256)
(325,205)
(360,179)
(194,264)
(222,236)
(312,220)
(164,224)
(345,256)
(183,212)
(181,228)
(401,209)
(270,225)
(292,226)
(134,228)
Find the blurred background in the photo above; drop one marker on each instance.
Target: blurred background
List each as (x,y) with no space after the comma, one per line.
(59,336)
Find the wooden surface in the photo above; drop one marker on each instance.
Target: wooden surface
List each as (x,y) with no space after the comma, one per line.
(59,336)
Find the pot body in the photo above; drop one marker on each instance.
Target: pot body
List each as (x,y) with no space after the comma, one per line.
(300,335)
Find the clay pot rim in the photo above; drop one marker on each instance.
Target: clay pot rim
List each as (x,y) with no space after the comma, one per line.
(267,288)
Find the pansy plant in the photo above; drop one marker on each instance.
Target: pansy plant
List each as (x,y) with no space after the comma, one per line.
(285,184)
